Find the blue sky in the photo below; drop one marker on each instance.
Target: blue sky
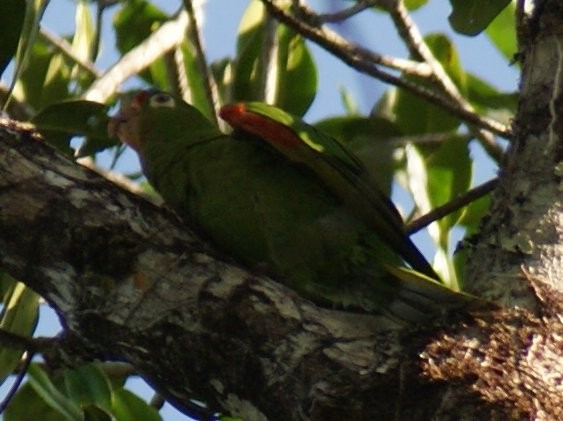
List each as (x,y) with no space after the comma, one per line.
(370,29)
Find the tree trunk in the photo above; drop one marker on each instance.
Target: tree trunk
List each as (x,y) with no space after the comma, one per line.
(131,282)
(525,228)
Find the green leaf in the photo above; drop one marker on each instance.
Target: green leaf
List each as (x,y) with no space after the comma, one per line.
(415,115)
(128,406)
(133,23)
(297,74)
(449,174)
(249,42)
(349,102)
(19,316)
(470,17)
(222,70)
(87,385)
(83,41)
(445,52)
(433,181)
(76,118)
(85,32)
(196,82)
(486,97)
(502,31)
(293,63)
(473,214)
(94,413)
(28,405)
(41,383)
(33,13)
(45,79)
(12,13)
(414,4)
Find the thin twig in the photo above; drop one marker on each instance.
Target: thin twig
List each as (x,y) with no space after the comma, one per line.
(310,26)
(453,205)
(424,139)
(157,401)
(357,58)
(208,81)
(176,74)
(270,67)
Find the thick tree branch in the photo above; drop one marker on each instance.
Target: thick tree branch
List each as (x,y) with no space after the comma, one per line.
(526,223)
(133,283)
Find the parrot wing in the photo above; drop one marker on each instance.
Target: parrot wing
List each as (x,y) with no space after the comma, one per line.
(337,167)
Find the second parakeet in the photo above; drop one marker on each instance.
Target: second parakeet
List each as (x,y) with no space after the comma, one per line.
(285,199)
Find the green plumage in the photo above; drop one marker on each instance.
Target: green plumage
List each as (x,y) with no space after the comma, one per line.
(278,216)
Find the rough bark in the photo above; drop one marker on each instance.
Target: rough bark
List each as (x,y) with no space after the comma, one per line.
(525,228)
(131,282)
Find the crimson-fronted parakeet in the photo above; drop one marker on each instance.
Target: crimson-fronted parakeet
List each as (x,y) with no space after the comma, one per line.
(283,198)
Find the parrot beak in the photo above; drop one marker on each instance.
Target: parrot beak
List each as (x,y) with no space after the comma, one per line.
(124,124)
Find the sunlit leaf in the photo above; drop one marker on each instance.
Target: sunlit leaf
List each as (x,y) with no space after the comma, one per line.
(33,13)
(296,74)
(28,405)
(470,17)
(42,384)
(297,82)
(473,214)
(349,102)
(19,316)
(415,115)
(84,37)
(423,181)
(196,82)
(502,31)
(128,406)
(88,385)
(133,23)
(449,174)
(414,4)
(46,78)
(485,96)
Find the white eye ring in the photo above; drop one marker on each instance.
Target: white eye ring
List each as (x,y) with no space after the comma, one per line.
(162,100)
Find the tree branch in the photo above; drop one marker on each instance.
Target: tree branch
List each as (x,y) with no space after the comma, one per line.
(165,38)
(365,61)
(195,37)
(133,283)
(451,206)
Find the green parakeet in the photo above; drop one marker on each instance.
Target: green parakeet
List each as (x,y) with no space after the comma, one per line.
(284,199)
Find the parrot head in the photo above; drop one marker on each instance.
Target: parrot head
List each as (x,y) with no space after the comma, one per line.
(155,115)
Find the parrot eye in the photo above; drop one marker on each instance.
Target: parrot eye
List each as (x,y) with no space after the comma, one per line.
(162,100)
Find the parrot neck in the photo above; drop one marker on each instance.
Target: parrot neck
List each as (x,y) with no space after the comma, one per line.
(159,159)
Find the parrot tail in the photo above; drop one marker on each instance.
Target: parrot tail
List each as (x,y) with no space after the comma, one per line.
(421,298)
